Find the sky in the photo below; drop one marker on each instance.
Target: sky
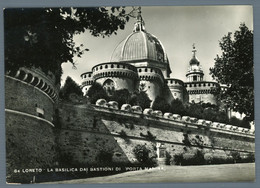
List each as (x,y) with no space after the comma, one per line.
(177,27)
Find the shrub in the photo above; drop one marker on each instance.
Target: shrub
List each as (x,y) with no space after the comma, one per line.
(142,155)
(168,158)
(186,140)
(123,134)
(178,159)
(149,135)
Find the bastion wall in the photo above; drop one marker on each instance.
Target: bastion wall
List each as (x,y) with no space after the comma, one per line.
(88,129)
(29,114)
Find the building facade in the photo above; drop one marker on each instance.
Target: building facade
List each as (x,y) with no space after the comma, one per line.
(141,60)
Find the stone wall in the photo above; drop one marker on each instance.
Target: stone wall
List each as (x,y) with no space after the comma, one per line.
(26,98)
(30,144)
(30,138)
(88,129)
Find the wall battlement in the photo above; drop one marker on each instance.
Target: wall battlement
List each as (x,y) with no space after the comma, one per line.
(88,129)
(37,79)
(201,84)
(170,118)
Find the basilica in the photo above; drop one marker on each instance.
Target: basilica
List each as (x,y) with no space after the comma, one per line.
(141,60)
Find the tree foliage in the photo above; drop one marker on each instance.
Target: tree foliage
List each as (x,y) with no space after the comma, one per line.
(140,98)
(95,92)
(69,88)
(43,37)
(121,96)
(161,104)
(177,107)
(234,67)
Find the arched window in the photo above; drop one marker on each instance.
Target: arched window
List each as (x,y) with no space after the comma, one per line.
(109,86)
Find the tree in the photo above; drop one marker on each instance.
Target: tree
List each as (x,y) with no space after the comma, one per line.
(177,107)
(95,92)
(43,37)
(235,69)
(161,104)
(141,153)
(121,96)
(140,98)
(69,88)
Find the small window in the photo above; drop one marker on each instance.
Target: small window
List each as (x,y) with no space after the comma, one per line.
(40,112)
(112,66)
(106,66)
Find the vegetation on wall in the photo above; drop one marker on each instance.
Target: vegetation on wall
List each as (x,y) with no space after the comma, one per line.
(201,157)
(142,155)
(235,68)
(205,111)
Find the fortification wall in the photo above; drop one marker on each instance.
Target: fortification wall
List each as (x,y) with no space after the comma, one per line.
(88,129)
(30,144)
(176,88)
(202,91)
(86,82)
(26,98)
(120,83)
(29,108)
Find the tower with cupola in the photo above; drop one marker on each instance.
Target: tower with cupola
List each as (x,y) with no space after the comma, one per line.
(199,91)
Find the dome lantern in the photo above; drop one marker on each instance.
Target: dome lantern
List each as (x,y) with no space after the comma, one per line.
(195,72)
(141,48)
(139,25)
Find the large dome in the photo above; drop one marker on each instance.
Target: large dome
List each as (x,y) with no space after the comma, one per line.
(140,45)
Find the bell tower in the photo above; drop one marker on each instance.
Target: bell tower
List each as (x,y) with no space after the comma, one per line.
(195,72)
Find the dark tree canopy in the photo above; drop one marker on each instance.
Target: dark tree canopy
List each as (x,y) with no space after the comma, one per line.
(121,96)
(70,87)
(140,98)
(95,92)
(43,37)
(234,67)
(177,107)
(161,104)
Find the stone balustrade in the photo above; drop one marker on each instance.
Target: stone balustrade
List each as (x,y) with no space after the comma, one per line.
(176,117)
